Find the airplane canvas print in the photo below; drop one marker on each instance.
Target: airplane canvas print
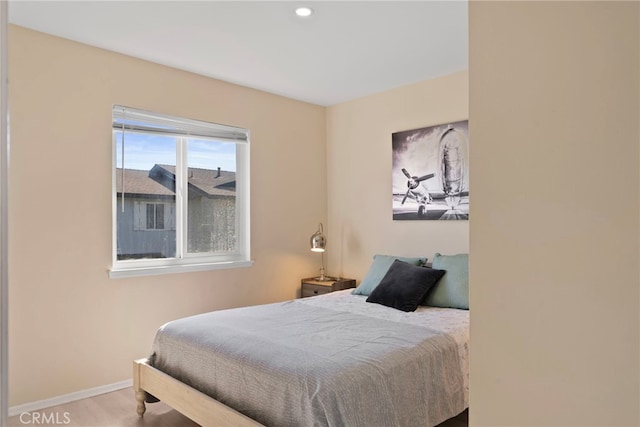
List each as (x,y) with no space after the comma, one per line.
(430,173)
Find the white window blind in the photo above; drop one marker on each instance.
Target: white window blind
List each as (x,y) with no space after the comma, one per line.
(134,120)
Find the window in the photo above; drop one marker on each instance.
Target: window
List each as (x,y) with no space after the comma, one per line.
(155,216)
(180,194)
(151,216)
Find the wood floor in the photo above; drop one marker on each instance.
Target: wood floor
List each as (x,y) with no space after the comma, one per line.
(118,409)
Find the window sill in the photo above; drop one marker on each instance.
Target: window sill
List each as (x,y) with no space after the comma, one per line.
(122,273)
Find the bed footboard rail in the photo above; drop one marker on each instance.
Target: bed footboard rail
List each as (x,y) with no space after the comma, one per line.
(192,403)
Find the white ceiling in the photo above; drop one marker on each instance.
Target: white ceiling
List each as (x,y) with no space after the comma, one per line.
(345,50)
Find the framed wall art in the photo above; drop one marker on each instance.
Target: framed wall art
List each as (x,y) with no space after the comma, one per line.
(430,173)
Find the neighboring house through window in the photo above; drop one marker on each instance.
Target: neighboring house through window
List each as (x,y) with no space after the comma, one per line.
(181,194)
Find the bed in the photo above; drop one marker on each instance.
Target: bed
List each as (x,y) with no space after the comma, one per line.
(330,360)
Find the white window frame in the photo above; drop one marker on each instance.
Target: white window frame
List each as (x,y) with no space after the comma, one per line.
(184,129)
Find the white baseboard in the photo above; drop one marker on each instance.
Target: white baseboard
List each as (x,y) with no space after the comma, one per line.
(67,398)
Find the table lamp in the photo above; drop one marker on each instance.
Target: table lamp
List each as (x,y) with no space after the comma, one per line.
(318,244)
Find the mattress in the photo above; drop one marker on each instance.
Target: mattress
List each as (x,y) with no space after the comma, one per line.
(331,360)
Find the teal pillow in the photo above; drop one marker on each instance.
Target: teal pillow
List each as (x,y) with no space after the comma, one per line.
(452,291)
(378,269)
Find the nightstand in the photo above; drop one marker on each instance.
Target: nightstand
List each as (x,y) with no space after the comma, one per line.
(312,287)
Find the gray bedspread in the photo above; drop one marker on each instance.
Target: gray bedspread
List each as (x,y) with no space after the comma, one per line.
(296,364)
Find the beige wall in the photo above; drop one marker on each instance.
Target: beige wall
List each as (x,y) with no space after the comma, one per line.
(71,327)
(554,225)
(359,174)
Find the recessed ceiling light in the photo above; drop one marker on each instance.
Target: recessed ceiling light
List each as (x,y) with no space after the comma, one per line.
(304,11)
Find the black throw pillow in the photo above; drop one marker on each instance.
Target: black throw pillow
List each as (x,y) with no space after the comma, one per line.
(405,286)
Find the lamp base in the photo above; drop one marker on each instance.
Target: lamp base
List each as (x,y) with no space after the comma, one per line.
(324,278)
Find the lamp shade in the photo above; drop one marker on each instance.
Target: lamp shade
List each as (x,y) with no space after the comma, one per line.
(318,241)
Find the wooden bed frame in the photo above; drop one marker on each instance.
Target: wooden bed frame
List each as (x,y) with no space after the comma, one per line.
(192,403)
